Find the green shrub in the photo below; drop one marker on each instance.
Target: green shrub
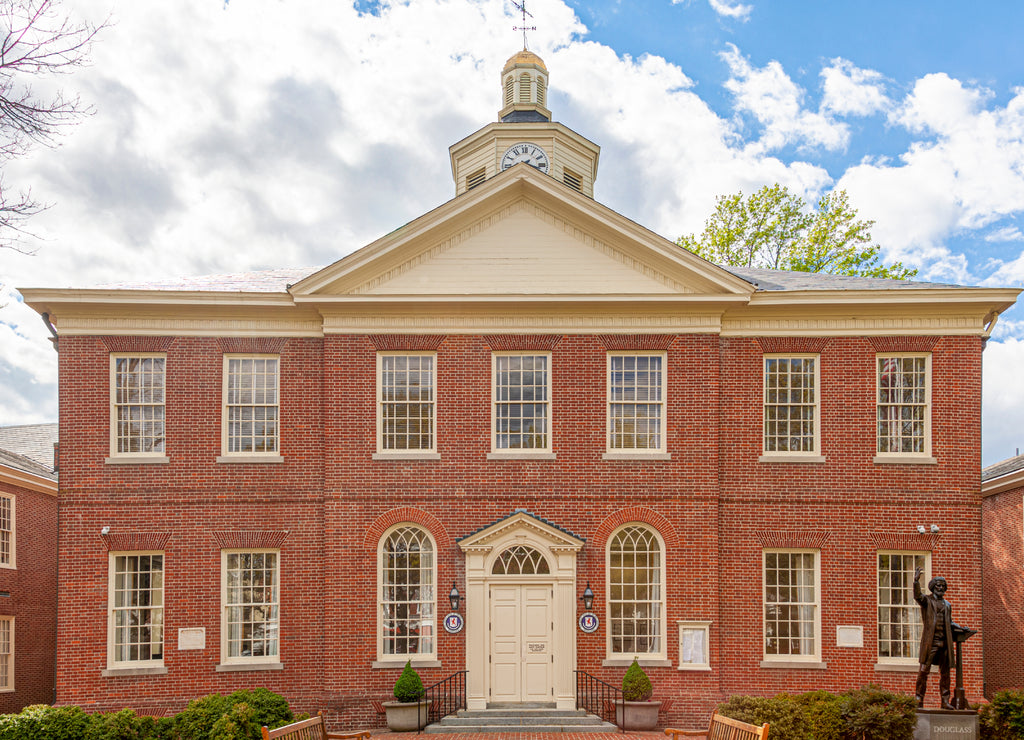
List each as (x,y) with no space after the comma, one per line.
(239,723)
(268,708)
(43,722)
(123,725)
(636,686)
(1003,719)
(198,718)
(408,687)
(821,710)
(785,715)
(872,713)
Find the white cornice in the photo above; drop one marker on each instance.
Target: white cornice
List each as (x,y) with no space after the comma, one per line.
(1002,483)
(186,327)
(446,323)
(22,479)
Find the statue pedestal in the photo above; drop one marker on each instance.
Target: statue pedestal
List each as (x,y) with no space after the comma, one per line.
(946,724)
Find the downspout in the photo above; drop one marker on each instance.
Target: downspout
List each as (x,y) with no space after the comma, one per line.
(56,468)
(53,331)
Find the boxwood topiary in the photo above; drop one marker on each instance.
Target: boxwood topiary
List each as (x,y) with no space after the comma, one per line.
(408,687)
(636,686)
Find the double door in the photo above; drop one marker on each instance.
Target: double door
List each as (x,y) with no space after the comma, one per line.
(521,643)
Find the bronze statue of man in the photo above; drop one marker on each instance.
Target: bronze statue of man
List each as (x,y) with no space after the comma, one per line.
(936,637)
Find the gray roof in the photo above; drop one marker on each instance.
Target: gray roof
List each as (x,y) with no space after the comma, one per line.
(766,279)
(24,464)
(31,442)
(1005,467)
(278,281)
(261,281)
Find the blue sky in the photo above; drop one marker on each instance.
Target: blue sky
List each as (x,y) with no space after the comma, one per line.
(287,133)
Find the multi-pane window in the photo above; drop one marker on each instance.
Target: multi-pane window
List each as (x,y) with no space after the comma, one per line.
(137,404)
(522,402)
(791,404)
(405,398)
(791,608)
(899,616)
(904,416)
(636,402)
(635,592)
(407,593)
(6,531)
(136,608)
(251,606)
(6,653)
(251,405)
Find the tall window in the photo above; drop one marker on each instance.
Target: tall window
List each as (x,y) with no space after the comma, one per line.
(136,609)
(790,404)
(6,653)
(791,605)
(6,531)
(137,405)
(904,398)
(406,402)
(251,594)
(522,402)
(407,593)
(636,402)
(636,593)
(251,405)
(899,616)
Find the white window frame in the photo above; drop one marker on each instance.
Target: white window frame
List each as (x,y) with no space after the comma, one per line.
(225,441)
(225,607)
(609,436)
(912,606)
(387,452)
(157,611)
(888,455)
(702,643)
(816,437)
(662,653)
(789,658)
(9,532)
(114,405)
(7,656)
(400,658)
(495,403)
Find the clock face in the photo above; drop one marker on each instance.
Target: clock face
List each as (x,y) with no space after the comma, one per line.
(526,152)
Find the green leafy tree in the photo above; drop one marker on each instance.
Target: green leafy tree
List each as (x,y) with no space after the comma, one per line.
(636,686)
(408,687)
(775,229)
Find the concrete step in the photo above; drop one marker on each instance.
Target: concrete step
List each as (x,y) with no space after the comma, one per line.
(520,718)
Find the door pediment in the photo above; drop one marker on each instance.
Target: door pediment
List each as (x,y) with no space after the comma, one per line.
(522,526)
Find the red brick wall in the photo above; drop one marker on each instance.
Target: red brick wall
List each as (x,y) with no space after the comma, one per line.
(1002,521)
(712,503)
(32,599)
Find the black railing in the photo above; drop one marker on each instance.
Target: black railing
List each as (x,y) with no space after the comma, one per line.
(597,697)
(443,698)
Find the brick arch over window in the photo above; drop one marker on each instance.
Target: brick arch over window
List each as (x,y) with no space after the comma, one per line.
(641,515)
(390,518)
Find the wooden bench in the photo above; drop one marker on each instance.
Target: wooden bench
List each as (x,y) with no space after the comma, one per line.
(310,729)
(724,728)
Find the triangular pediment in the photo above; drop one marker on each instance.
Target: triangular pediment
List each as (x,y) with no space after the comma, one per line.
(526,525)
(522,233)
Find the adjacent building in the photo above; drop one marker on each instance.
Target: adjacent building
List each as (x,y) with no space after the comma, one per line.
(28,565)
(277,478)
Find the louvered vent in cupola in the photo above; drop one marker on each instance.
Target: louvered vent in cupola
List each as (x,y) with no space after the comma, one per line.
(475,179)
(510,86)
(573,180)
(524,88)
(540,91)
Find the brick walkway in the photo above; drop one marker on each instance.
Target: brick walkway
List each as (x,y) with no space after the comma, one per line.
(385,735)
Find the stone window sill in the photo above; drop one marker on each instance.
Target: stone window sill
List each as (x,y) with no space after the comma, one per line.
(521,455)
(250,459)
(636,456)
(157,670)
(402,457)
(626,662)
(795,665)
(769,458)
(416,663)
(904,460)
(138,460)
(896,667)
(236,667)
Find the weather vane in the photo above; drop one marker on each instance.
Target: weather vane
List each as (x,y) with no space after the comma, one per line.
(524,28)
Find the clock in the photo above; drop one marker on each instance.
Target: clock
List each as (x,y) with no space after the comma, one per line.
(526,152)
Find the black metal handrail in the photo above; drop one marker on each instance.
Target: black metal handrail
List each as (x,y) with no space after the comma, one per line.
(598,697)
(445,697)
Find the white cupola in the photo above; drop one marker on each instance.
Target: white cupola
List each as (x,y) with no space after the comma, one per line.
(524,85)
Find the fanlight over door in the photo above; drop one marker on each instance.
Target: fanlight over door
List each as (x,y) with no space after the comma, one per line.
(520,560)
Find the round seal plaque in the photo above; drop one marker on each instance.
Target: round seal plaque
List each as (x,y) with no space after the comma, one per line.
(589,622)
(453,623)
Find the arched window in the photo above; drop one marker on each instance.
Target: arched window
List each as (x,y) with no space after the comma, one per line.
(524,88)
(540,91)
(636,600)
(520,560)
(407,592)
(510,85)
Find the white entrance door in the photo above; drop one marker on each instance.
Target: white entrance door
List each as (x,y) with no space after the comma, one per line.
(521,649)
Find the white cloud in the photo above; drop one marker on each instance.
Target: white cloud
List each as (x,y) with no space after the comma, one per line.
(1003,400)
(1005,234)
(731,9)
(771,96)
(849,90)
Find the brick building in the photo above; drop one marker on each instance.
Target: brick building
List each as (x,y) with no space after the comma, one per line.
(1002,523)
(276,478)
(28,565)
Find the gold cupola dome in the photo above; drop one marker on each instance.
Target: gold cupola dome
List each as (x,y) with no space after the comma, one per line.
(524,87)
